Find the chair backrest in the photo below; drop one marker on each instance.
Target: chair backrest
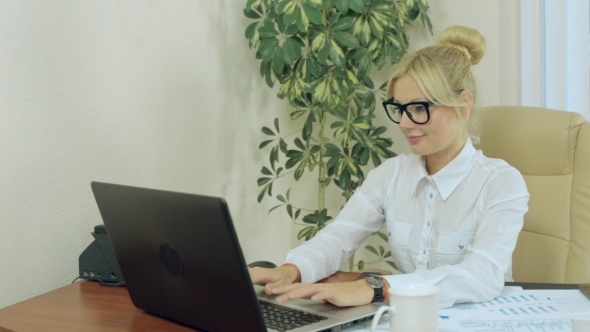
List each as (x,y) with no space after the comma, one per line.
(552,151)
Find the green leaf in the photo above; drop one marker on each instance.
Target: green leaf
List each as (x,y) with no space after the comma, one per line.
(295,115)
(383,236)
(268,31)
(268,74)
(263,181)
(251,4)
(267,49)
(346,39)
(368,82)
(323,55)
(333,18)
(291,50)
(300,169)
(365,154)
(361,265)
(375,158)
(336,54)
(290,210)
(372,250)
(288,193)
(302,21)
(376,28)
(308,127)
(278,62)
(274,208)
(344,180)
(276,123)
(304,232)
(314,15)
(252,14)
(342,5)
(357,5)
(292,162)
(290,18)
(267,131)
(265,143)
(274,156)
(299,144)
(307,219)
(314,67)
(343,23)
(285,6)
(262,192)
(251,30)
(265,171)
(392,264)
(368,98)
(364,66)
(379,131)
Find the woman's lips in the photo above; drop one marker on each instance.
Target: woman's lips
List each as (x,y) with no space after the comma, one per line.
(414,139)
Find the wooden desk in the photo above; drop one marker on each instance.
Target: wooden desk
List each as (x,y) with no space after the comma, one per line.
(82,306)
(87,306)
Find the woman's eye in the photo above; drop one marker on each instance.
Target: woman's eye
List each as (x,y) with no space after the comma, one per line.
(419,108)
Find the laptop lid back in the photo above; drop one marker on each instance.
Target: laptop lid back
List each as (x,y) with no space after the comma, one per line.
(180,256)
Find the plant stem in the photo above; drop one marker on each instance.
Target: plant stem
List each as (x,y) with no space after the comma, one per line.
(322,166)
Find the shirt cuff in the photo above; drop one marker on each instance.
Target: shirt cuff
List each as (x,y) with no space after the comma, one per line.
(305,269)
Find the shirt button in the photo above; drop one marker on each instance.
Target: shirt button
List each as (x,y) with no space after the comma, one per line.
(389,233)
(424,252)
(430,195)
(461,246)
(428,224)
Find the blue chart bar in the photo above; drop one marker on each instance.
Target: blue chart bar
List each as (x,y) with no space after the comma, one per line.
(528,325)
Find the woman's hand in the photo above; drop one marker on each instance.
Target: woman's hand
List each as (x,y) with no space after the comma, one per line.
(342,294)
(273,278)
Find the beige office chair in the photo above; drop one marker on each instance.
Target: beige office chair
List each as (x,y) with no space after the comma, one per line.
(552,150)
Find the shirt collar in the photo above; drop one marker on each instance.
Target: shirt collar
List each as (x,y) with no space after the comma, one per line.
(449,177)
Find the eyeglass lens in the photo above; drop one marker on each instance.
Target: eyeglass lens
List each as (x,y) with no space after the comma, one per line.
(416,112)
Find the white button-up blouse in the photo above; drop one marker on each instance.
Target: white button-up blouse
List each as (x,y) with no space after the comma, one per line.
(455,229)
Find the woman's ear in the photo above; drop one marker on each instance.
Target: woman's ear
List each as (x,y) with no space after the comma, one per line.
(467,97)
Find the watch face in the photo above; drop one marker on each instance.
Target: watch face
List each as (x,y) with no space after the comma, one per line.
(374,282)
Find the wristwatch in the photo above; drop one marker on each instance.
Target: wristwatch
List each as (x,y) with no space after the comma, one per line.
(376,282)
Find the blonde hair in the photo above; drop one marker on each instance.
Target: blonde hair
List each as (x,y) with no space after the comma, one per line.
(443,71)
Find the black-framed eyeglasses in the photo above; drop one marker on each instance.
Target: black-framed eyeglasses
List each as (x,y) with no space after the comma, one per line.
(417,111)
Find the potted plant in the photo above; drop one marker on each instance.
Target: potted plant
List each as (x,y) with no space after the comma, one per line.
(321,53)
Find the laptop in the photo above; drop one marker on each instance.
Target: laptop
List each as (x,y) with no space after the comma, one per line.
(180,257)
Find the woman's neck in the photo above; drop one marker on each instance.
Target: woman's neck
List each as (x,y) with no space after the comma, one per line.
(437,161)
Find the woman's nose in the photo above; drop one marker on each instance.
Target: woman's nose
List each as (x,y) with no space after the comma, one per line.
(405,122)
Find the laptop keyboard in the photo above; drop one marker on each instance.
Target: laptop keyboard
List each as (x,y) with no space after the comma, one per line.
(282,318)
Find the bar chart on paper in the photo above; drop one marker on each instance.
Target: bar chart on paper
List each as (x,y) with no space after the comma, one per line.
(515,310)
(543,311)
(517,325)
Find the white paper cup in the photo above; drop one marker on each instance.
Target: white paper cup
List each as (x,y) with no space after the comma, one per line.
(412,308)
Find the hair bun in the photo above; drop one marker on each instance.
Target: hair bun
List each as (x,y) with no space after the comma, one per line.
(469,41)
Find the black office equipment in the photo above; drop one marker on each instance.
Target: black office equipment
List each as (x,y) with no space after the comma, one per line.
(182,260)
(98,261)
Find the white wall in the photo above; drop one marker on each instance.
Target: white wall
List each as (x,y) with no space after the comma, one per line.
(153,93)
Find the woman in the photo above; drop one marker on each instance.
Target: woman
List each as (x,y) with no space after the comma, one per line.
(452,214)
